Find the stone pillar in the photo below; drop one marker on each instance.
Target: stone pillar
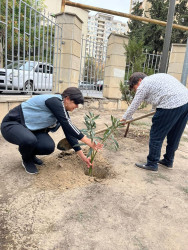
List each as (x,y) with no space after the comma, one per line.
(67,52)
(177,55)
(115,65)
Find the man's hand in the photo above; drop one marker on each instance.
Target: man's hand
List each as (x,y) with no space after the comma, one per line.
(123,121)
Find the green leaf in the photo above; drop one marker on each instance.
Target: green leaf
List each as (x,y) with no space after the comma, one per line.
(116,143)
(96,117)
(112,119)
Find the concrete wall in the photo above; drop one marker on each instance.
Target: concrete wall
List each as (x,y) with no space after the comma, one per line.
(176,61)
(9,102)
(115,65)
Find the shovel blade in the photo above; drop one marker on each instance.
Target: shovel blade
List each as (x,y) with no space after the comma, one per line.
(64,145)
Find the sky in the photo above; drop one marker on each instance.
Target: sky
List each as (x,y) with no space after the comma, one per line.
(116,5)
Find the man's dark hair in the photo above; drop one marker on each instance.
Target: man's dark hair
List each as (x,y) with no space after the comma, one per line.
(133,80)
(74,94)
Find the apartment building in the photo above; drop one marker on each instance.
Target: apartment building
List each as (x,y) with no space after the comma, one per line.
(99,28)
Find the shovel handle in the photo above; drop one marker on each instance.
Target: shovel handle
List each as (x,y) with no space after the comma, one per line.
(129,121)
(127,129)
(64,145)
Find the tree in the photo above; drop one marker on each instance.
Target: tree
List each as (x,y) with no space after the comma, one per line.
(135,56)
(136,27)
(135,62)
(181,14)
(152,34)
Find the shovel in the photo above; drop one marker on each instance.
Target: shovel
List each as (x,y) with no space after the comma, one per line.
(64,144)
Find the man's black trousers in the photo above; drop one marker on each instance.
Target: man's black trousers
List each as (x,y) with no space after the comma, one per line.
(168,123)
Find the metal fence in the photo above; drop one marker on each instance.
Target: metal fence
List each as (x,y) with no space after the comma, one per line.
(151,65)
(27,48)
(92,66)
(93,58)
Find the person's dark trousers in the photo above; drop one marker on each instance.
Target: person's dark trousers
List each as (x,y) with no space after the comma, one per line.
(170,123)
(30,142)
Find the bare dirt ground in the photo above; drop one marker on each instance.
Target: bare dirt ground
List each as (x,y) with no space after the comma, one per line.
(121,207)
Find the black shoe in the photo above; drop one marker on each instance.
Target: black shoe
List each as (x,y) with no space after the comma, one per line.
(164,164)
(30,167)
(37,160)
(144,166)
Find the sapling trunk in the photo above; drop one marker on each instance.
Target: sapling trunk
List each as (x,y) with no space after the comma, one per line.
(92,159)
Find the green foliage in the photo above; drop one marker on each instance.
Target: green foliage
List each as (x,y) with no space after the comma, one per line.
(181,13)
(135,56)
(108,134)
(135,63)
(127,95)
(136,27)
(152,34)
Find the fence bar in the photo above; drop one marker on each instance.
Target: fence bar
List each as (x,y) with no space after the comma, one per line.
(25,16)
(30,43)
(59,29)
(19,24)
(47,74)
(6,14)
(13,6)
(38,48)
(82,42)
(50,59)
(56,39)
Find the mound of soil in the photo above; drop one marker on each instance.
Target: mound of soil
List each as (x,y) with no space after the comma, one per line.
(66,170)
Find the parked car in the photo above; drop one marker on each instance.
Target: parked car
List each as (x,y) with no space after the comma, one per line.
(27,76)
(99,85)
(84,85)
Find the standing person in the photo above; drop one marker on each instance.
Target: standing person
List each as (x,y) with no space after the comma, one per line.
(170,98)
(28,124)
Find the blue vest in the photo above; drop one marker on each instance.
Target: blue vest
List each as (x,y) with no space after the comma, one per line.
(36,114)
